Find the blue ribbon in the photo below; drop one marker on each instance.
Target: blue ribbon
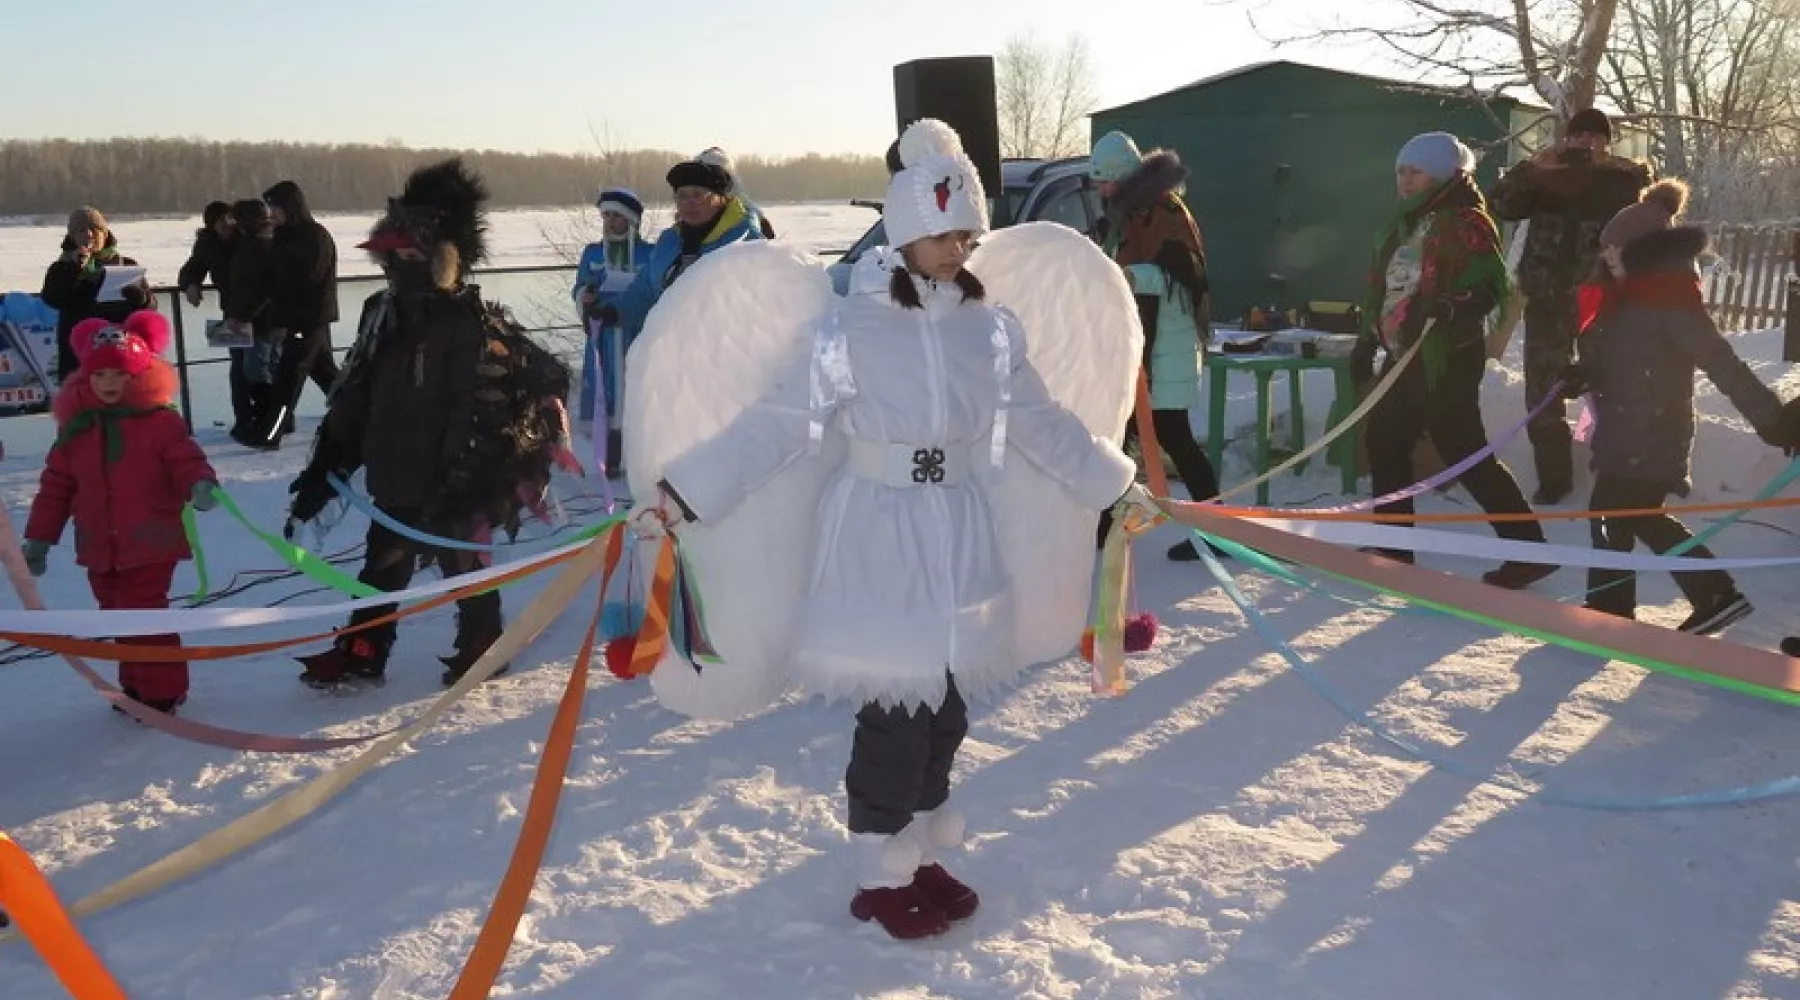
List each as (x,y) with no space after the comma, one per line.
(407,531)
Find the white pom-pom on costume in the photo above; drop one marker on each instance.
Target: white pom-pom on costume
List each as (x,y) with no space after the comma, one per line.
(885,861)
(928,137)
(935,831)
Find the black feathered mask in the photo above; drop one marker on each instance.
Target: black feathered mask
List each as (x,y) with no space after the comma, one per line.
(442,203)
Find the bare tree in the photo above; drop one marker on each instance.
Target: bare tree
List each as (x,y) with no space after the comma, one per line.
(1044,96)
(1552,47)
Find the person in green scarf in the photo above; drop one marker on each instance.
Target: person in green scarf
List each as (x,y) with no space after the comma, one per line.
(1439,273)
(72,283)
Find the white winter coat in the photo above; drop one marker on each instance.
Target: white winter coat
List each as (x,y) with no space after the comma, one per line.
(907,580)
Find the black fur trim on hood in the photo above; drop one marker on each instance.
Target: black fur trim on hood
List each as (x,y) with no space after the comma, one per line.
(1665,250)
(1161,173)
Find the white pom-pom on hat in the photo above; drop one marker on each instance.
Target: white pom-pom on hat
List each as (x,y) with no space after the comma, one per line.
(928,137)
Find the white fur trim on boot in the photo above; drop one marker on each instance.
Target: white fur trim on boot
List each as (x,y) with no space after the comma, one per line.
(885,861)
(935,831)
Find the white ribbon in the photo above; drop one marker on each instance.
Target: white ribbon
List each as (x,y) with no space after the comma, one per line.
(832,380)
(108,624)
(1003,375)
(1472,546)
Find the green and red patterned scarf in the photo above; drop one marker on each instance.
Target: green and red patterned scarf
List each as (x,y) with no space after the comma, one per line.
(1462,252)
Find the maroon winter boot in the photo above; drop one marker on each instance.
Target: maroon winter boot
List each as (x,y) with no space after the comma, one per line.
(904,913)
(946,892)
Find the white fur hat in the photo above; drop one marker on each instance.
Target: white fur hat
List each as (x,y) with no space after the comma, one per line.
(937,190)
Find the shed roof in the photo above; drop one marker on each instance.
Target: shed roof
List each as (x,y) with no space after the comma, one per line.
(1257,67)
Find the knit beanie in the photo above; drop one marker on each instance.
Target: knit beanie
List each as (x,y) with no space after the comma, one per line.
(1439,155)
(1114,157)
(1656,210)
(87,217)
(623,201)
(131,346)
(938,189)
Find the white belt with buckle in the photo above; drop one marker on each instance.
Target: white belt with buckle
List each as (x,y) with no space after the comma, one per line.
(904,466)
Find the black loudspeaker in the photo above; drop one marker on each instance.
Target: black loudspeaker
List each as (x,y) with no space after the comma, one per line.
(958,91)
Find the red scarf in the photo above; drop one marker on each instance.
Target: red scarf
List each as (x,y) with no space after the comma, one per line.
(1656,289)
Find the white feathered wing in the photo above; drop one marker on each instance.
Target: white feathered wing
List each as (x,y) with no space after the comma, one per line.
(713,345)
(1086,341)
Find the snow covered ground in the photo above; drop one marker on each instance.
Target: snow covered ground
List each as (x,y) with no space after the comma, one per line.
(1220,831)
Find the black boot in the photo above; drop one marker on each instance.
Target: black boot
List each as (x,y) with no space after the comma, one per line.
(615,454)
(475,634)
(355,660)
(246,431)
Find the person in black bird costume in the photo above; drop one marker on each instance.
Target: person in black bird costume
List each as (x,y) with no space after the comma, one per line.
(454,415)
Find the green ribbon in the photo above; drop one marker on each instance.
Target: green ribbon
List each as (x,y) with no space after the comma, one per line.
(295,556)
(1262,562)
(193,537)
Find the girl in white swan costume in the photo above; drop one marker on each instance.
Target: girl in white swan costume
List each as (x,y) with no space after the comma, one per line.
(888,498)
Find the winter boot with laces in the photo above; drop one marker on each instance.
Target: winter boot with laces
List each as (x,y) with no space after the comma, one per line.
(889,895)
(475,635)
(356,660)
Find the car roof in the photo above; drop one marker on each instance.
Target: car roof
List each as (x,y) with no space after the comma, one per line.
(1025,173)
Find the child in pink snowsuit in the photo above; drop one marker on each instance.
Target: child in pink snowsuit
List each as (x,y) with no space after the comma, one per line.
(123,466)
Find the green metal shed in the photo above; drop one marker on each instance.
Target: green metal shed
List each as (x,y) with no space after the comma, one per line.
(1293,169)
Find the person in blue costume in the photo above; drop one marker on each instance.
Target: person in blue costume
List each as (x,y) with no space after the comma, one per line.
(707,217)
(606,267)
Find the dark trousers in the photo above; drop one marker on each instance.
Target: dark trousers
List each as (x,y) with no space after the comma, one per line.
(1449,411)
(1615,590)
(1550,324)
(242,415)
(304,353)
(900,761)
(389,565)
(143,588)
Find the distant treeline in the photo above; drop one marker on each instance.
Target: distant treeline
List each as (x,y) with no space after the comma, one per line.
(163,176)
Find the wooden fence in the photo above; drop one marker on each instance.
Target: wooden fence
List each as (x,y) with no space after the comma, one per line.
(1747,286)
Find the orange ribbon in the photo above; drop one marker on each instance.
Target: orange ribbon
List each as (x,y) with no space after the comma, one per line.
(32,904)
(653,635)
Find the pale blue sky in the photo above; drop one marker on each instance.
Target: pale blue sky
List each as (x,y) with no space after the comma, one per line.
(776,77)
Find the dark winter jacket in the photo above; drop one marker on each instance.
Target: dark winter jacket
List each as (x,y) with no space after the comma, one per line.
(449,407)
(405,410)
(249,294)
(1639,357)
(125,495)
(72,290)
(1567,208)
(211,256)
(305,265)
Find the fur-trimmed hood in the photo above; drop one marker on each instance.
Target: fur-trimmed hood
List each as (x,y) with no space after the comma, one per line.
(1676,249)
(1162,173)
(155,387)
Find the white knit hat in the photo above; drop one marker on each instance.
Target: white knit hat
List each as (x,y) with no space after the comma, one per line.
(937,190)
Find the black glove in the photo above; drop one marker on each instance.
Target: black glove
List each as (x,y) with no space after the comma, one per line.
(312,491)
(1575,381)
(1786,432)
(605,313)
(1362,362)
(1462,309)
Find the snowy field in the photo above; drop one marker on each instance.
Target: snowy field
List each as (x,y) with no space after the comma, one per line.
(1220,831)
(546,238)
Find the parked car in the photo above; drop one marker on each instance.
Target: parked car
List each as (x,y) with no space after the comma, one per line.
(1031,191)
